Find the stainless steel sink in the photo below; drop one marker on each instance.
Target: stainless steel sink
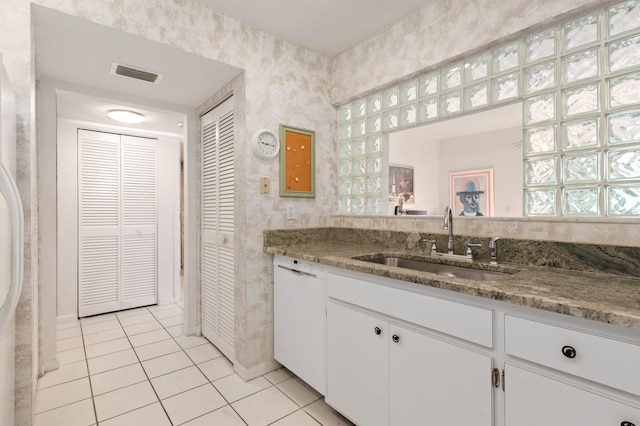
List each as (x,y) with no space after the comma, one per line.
(435,268)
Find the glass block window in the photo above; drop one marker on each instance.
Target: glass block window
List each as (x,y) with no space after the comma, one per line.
(579,82)
(580,134)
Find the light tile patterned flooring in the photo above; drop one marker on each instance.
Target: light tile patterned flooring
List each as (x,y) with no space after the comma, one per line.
(136,368)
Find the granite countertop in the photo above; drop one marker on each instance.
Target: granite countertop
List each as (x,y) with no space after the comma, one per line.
(603,297)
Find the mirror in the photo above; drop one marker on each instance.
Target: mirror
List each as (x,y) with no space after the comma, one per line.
(479,154)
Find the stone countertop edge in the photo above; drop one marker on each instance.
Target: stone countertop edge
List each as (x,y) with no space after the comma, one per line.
(607,298)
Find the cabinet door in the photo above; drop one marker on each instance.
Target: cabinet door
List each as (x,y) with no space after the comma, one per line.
(437,383)
(532,399)
(357,365)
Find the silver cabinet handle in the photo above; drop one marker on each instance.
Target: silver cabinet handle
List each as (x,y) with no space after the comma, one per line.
(9,190)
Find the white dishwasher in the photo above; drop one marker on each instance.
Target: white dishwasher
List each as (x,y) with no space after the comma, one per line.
(300,319)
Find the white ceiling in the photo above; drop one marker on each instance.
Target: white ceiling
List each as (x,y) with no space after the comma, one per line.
(80,52)
(325,26)
(85,109)
(490,120)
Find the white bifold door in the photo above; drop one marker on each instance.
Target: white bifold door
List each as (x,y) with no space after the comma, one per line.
(117,208)
(217,224)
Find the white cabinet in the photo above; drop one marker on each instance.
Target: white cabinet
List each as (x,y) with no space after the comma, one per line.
(537,396)
(601,359)
(382,373)
(399,354)
(533,399)
(433,382)
(357,365)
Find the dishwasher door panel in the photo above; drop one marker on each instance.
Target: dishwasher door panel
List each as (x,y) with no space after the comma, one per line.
(299,324)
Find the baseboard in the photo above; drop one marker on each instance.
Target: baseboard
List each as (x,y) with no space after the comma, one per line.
(67,318)
(190,331)
(257,371)
(49,365)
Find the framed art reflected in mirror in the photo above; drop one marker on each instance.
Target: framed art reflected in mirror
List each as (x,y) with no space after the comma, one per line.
(401,181)
(471,192)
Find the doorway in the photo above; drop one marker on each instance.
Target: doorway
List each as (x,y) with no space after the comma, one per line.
(187,81)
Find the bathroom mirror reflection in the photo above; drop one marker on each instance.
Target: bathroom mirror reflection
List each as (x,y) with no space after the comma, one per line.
(459,152)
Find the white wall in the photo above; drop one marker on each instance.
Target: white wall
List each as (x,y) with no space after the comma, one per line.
(168,207)
(169,219)
(500,150)
(424,156)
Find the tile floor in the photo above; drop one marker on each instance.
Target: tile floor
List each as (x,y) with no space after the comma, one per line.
(136,368)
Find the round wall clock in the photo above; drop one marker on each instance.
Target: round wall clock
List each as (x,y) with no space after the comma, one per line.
(265,144)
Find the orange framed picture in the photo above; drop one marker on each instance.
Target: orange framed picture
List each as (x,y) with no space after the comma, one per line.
(297,162)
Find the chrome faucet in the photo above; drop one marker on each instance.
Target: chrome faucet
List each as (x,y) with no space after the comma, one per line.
(399,210)
(448,224)
(493,247)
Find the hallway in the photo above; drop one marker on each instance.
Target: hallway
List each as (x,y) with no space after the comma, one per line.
(136,367)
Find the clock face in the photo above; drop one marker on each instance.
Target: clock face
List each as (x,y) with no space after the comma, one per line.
(265,144)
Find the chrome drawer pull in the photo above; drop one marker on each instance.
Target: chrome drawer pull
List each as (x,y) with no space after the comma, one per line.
(377,331)
(627,424)
(569,351)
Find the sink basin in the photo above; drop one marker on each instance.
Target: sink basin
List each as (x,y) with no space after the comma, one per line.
(435,268)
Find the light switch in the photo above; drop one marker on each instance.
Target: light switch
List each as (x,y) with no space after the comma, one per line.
(291,212)
(265,185)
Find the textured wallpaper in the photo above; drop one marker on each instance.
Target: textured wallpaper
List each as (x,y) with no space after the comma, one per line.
(441,31)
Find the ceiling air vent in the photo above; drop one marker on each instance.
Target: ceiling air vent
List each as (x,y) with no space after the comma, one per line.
(136,73)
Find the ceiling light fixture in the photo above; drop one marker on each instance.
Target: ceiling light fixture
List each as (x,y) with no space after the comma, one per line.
(126,116)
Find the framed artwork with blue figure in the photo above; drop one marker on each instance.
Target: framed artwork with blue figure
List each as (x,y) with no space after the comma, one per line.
(471,192)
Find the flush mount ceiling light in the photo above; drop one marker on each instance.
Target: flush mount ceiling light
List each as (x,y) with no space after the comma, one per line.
(126,116)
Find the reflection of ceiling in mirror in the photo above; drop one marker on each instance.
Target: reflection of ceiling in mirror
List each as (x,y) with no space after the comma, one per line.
(481,122)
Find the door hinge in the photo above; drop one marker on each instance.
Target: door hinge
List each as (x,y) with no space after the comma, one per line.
(495,378)
(503,380)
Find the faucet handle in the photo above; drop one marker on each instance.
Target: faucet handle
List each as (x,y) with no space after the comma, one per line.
(469,252)
(433,244)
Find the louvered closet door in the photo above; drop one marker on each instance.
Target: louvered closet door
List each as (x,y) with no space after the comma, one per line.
(139,219)
(99,222)
(117,199)
(217,255)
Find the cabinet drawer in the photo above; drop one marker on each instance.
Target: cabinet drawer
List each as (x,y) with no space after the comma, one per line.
(532,399)
(610,362)
(456,319)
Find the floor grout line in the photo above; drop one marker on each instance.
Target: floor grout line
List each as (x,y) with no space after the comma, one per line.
(174,339)
(86,360)
(146,375)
